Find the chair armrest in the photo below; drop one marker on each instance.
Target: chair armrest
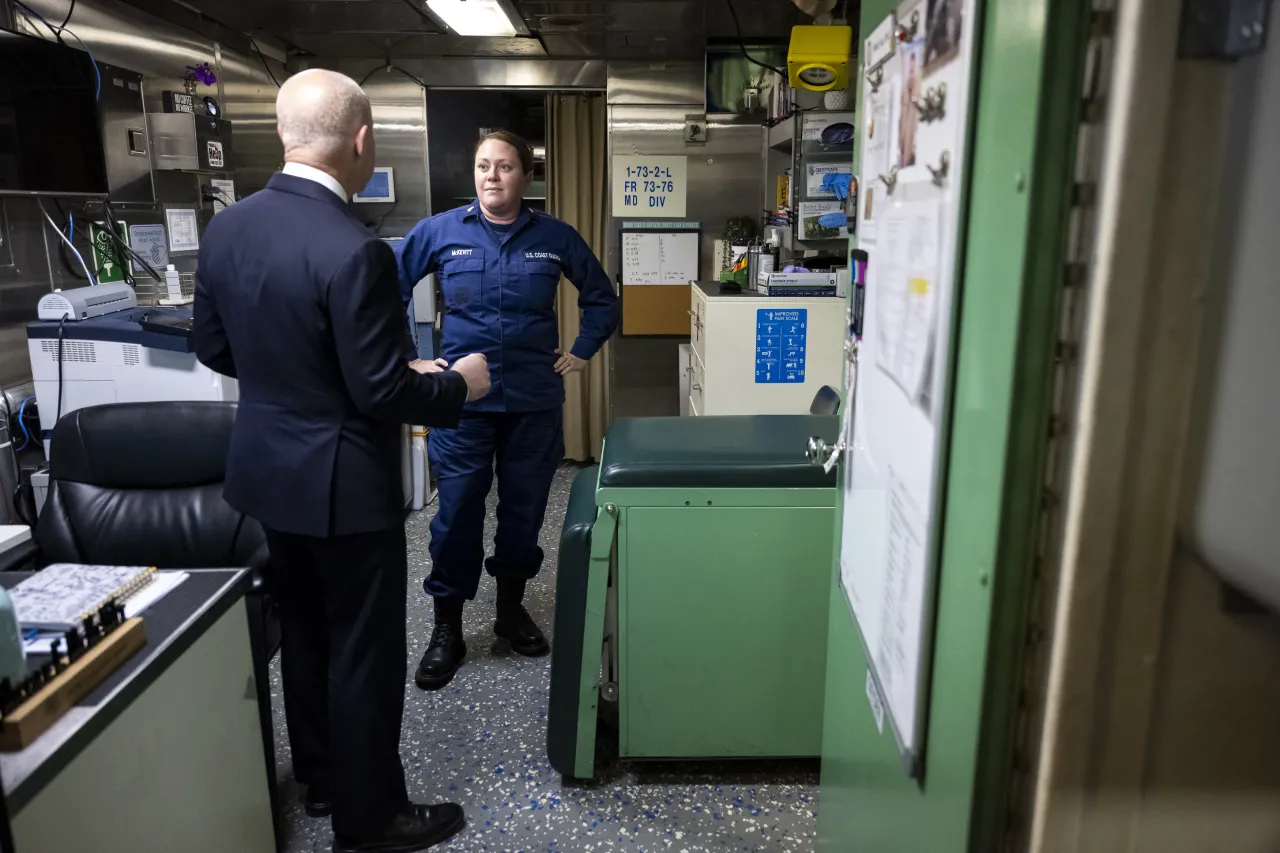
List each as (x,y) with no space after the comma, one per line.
(257,565)
(15,559)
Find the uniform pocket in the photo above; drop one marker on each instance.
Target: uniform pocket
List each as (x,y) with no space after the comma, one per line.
(542,279)
(461,280)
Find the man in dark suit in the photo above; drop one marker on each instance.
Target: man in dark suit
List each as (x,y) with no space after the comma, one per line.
(300,301)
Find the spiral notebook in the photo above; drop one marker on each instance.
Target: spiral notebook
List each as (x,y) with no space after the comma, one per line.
(58,597)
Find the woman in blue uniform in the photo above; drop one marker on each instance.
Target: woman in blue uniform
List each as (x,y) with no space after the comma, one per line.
(499,264)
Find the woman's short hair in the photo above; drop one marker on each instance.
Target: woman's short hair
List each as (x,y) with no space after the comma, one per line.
(523,151)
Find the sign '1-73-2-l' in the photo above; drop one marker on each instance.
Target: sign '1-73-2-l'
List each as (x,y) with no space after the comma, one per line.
(649,186)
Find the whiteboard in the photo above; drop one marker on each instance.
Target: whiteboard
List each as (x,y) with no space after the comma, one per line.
(895,432)
(659,257)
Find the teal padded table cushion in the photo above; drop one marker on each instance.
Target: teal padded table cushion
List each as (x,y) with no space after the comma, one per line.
(737,452)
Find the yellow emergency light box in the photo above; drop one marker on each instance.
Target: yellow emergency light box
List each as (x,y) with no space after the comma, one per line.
(818,57)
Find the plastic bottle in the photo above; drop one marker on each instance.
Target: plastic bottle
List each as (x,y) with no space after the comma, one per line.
(172,283)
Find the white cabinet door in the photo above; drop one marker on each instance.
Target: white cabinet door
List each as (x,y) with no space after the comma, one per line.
(686,373)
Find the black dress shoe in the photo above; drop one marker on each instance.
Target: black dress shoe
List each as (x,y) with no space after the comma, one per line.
(517,627)
(416,828)
(317,802)
(443,657)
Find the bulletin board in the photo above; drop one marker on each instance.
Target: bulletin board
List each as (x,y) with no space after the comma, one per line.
(914,125)
(659,260)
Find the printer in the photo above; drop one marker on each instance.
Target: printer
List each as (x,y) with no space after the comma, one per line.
(81,303)
(84,356)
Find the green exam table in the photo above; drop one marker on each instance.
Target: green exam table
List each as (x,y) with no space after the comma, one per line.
(692,592)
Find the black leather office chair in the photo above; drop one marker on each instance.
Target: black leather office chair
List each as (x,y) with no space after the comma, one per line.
(140,484)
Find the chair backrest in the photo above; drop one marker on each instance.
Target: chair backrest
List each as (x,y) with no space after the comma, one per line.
(825,402)
(141,484)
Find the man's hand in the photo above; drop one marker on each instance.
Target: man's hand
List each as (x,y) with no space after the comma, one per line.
(424,366)
(568,363)
(475,369)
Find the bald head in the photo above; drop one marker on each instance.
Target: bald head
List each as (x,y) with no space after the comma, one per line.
(320,115)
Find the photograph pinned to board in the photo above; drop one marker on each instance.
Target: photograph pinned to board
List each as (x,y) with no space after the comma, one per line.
(911,57)
(879,139)
(880,130)
(942,35)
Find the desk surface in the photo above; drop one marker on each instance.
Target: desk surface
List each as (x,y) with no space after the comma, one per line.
(172,625)
(12,535)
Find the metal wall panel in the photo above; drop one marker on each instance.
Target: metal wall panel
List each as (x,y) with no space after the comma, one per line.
(657,82)
(400,128)
(160,51)
(724,180)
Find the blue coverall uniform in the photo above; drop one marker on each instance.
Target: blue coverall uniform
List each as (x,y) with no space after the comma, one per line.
(499,284)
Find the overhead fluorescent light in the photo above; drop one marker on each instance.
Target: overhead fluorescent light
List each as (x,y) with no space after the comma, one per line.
(474,17)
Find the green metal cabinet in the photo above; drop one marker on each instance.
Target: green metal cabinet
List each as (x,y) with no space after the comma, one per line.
(710,539)
(722,621)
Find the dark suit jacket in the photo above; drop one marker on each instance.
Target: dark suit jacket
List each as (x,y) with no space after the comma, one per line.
(301,303)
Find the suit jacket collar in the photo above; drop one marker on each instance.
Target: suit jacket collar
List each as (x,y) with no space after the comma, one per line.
(303,187)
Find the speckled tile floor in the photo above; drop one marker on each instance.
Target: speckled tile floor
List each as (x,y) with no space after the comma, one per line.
(481,742)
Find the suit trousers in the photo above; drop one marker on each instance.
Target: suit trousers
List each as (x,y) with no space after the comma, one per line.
(343,658)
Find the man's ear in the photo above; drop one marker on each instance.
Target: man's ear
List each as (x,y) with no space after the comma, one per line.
(280,132)
(362,139)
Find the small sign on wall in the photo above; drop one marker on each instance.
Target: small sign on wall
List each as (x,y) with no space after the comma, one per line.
(781,341)
(108,259)
(653,186)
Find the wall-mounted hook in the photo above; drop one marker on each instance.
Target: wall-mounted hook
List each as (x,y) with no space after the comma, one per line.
(890,180)
(933,103)
(907,32)
(875,77)
(940,171)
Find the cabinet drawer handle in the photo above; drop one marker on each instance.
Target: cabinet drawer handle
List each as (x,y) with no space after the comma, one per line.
(697,387)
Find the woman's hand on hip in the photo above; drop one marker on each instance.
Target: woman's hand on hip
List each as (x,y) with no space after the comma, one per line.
(423,366)
(568,363)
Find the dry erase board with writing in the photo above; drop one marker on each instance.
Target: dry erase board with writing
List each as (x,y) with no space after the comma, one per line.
(659,257)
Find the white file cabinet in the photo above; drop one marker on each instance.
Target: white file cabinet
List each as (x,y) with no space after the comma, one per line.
(758,355)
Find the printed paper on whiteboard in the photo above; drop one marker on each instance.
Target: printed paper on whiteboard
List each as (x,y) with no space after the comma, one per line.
(907,282)
(876,703)
(902,592)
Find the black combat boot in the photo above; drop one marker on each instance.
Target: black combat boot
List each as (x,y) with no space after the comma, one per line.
(514,624)
(447,649)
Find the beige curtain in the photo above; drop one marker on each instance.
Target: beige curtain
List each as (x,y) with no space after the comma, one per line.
(576,188)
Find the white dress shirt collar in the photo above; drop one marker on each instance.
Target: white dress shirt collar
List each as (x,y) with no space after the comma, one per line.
(311,173)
